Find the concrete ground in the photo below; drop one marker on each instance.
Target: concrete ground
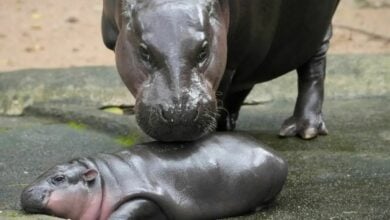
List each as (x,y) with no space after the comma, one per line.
(344,175)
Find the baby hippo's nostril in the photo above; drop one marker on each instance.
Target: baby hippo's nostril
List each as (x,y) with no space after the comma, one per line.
(32,200)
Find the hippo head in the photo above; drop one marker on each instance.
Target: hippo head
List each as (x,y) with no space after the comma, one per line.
(62,191)
(171,54)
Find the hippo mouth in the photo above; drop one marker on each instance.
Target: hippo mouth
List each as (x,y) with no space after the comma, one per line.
(34,200)
(176,124)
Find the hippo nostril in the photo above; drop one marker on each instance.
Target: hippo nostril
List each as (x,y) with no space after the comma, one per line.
(32,200)
(165,116)
(176,115)
(168,115)
(196,115)
(162,115)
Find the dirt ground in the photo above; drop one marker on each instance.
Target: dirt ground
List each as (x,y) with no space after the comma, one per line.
(50,33)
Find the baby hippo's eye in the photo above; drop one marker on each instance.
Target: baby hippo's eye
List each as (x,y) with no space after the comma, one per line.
(56,180)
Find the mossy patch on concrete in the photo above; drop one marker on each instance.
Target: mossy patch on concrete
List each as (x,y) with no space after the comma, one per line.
(114,110)
(3,129)
(127,141)
(77,126)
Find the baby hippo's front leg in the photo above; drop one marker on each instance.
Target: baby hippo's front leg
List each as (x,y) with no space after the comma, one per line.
(139,209)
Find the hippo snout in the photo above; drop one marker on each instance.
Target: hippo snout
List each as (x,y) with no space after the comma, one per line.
(177,114)
(177,122)
(33,199)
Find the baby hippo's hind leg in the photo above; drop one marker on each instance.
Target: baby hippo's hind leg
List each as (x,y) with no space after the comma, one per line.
(307,121)
(139,209)
(266,205)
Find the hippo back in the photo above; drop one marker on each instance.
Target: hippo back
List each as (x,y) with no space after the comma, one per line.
(270,38)
(219,176)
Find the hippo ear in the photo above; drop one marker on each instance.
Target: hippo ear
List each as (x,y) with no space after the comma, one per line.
(109,24)
(90,175)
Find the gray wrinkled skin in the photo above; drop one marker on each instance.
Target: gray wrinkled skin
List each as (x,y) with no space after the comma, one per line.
(219,176)
(191,63)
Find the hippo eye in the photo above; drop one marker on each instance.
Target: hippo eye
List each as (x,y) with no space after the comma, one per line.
(58,179)
(203,53)
(144,53)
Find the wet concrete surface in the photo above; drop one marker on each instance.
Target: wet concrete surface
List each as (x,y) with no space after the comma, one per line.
(344,175)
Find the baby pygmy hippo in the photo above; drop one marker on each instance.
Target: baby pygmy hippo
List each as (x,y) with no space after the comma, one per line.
(219,176)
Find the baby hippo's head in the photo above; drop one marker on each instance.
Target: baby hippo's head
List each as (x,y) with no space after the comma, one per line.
(62,191)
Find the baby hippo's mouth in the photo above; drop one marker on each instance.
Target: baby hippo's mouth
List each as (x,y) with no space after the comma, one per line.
(33,200)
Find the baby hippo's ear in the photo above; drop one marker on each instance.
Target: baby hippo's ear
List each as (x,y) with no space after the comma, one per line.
(90,175)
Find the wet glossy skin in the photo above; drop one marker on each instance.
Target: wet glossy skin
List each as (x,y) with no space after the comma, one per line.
(191,63)
(167,53)
(220,176)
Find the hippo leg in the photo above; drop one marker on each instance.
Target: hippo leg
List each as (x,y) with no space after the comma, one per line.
(139,209)
(307,121)
(228,112)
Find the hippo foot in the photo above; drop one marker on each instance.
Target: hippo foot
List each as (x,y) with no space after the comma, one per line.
(303,127)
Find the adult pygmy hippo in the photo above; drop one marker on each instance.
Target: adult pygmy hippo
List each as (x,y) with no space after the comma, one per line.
(220,176)
(178,57)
